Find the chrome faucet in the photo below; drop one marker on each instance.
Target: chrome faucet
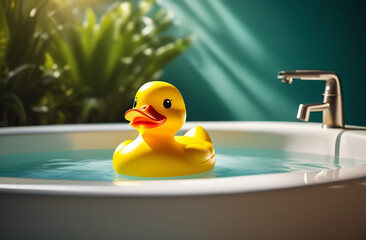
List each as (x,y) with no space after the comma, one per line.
(332,105)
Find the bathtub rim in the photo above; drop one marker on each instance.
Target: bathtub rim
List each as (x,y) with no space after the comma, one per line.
(183,187)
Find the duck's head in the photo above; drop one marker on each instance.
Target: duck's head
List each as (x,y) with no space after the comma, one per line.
(158,109)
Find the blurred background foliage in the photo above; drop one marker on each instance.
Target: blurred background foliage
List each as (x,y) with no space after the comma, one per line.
(77,61)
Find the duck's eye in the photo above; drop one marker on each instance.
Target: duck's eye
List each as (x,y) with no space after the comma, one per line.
(135,103)
(167,103)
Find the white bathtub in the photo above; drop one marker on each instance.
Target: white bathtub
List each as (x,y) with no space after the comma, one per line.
(328,204)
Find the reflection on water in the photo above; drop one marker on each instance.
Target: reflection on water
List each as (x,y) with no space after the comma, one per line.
(96,165)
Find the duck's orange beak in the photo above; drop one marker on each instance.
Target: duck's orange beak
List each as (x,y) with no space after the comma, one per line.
(145,117)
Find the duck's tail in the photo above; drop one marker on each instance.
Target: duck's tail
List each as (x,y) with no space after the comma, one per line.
(200,133)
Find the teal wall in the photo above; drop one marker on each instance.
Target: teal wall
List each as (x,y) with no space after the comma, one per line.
(230,71)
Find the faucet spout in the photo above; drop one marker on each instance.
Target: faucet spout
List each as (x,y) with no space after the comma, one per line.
(332,105)
(333,84)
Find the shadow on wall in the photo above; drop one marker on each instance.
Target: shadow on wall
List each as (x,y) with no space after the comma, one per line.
(230,72)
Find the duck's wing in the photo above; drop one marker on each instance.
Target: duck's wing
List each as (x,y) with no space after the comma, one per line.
(121,146)
(199,133)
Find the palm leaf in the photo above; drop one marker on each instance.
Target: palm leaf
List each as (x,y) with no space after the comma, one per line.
(11,102)
(4,39)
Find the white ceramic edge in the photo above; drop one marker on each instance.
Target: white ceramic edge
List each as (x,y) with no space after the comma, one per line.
(186,187)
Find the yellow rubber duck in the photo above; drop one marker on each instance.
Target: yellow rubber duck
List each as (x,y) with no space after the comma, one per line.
(158,113)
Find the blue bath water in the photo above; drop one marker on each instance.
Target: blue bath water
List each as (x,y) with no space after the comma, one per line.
(96,165)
